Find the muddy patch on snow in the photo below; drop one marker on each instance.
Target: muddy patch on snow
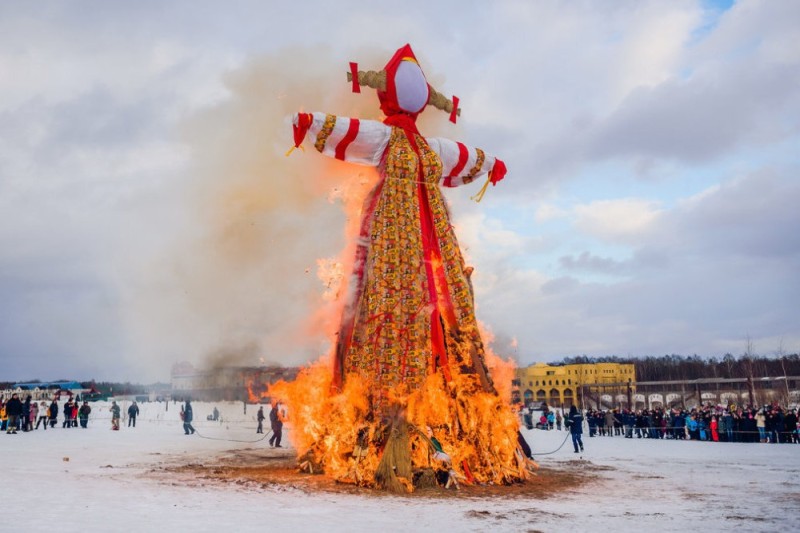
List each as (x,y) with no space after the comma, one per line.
(259,469)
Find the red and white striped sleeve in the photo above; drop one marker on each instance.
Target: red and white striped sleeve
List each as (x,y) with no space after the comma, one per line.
(464,164)
(347,139)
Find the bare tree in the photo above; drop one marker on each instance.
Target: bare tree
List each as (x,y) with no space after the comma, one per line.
(781,354)
(747,359)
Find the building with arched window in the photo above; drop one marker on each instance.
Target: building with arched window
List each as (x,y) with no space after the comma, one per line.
(564,385)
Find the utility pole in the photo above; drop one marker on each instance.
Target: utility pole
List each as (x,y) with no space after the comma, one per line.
(630,394)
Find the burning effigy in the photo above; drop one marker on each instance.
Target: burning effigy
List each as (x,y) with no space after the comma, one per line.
(407,397)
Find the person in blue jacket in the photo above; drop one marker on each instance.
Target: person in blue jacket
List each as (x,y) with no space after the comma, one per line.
(691,424)
(575,422)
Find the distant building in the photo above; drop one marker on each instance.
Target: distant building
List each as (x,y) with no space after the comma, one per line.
(44,390)
(226,383)
(565,385)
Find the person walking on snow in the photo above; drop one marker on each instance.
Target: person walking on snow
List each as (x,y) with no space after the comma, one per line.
(260,417)
(83,414)
(575,423)
(187,418)
(277,425)
(115,412)
(133,412)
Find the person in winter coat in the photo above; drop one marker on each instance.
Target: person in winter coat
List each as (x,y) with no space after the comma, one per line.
(777,425)
(260,417)
(628,421)
(26,413)
(761,424)
(13,412)
(115,414)
(789,426)
(67,414)
(714,426)
(188,416)
(277,424)
(591,421)
(83,414)
(726,425)
(575,423)
(44,415)
(559,419)
(617,423)
(34,413)
(609,423)
(693,427)
(133,412)
(53,413)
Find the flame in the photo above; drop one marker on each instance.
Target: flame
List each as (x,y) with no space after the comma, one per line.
(256,393)
(334,432)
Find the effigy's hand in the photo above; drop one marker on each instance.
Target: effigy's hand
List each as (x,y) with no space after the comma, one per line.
(498,172)
(301,122)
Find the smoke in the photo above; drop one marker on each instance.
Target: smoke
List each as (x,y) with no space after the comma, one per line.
(237,281)
(255,247)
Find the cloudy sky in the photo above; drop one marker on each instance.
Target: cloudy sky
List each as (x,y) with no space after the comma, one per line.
(148,214)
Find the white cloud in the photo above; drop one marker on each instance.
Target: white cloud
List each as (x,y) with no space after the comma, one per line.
(547,212)
(617,220)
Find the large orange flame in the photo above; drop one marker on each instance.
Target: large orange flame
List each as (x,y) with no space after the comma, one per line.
(334,432)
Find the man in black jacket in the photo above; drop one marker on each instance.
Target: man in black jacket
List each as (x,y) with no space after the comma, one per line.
(26,413)
(68,414)
(276,423)
(575,421)
(83,414)
(260,418)
(13,412)
(133,412)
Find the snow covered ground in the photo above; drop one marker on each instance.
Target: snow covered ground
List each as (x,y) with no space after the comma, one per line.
(98,479)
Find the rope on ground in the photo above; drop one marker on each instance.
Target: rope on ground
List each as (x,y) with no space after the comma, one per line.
(554,451)
(232,440)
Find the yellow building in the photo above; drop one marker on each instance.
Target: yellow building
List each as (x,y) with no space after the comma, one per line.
(565,385)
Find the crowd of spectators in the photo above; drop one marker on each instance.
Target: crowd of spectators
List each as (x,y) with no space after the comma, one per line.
(767,424)
(25,415)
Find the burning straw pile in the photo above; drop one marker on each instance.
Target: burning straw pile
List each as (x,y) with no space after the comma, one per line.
(338,434)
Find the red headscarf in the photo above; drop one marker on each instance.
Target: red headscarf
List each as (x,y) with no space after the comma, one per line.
(407,90)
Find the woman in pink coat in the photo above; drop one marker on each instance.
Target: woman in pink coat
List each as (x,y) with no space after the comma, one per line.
(32,415)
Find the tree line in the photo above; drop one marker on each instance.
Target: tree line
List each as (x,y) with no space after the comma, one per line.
(680,367)
(103,387)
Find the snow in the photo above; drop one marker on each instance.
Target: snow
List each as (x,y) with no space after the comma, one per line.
(107,484)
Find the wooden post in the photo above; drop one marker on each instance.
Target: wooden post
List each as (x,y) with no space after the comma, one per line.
(697,391)
(683,395)
(630,395)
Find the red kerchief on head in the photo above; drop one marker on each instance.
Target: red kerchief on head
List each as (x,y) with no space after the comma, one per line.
(407,90)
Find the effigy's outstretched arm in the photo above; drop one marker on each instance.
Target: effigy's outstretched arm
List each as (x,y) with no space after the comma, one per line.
(464,164)
(347,139)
